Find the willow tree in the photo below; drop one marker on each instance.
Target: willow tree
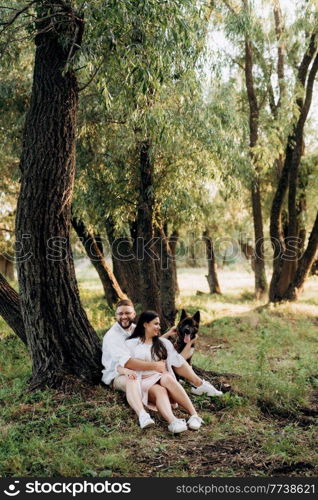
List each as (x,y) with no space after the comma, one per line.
(241,28)
(291,269)
(155,47)
(276,46)
(62,342)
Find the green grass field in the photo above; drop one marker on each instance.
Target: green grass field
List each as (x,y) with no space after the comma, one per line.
(266,425)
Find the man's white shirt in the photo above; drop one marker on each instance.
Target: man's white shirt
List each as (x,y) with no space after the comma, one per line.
(115,351)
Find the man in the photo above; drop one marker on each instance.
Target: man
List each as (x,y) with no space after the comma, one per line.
(119,366)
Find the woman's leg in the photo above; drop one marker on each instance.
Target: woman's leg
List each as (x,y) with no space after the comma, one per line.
(177,392)
(159,395)
(186,371)
(133,395)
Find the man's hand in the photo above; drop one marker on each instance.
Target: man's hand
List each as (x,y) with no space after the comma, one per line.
(129,374)
(160,366)
(170,333)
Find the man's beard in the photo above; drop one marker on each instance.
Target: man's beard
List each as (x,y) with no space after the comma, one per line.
(127,325)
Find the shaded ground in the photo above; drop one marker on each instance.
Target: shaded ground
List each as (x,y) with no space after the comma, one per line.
(200,454)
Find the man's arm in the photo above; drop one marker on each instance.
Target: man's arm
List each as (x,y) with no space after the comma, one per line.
(125,371)
(137,364)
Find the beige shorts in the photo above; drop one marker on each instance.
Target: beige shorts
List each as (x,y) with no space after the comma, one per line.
(119,383)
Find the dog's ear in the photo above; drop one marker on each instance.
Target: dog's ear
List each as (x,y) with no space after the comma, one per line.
(196,317)
(183,315)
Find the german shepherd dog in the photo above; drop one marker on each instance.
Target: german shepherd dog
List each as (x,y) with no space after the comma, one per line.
(187,329)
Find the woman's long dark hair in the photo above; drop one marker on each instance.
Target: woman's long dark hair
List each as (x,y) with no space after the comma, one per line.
(158,349)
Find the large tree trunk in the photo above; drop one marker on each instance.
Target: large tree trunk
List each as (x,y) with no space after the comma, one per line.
(146,243)
(10,308)
(63,344)
(125,265)
(259,261)
(301,210)
(112,290)
(305,262)
(212,276)
(287,266)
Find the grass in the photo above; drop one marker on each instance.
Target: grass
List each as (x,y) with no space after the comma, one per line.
(265,426)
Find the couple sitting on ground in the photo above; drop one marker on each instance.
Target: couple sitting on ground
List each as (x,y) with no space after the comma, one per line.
(139,363)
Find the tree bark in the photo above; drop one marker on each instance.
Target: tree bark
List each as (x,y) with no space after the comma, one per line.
(125,265)
(173,240)
(305,263)
(112,290)
(146,243)
(63,344)
(259,261)
(248,252)
(10,309)
(286,249)
(6,267)
(212,276)
(167,282)
(259,258)
(280,30)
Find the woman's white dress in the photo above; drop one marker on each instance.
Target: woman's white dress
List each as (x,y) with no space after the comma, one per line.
(142,351)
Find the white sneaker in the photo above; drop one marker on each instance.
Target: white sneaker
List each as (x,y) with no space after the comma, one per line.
(145,420)
(194,422)
(177,426)
(206,388)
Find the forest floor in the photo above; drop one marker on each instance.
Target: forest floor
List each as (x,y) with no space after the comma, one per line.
(264,425)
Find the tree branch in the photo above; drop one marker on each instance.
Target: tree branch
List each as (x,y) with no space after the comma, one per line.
(307,58)
(8,23)
(309,91)
(91,78)
(279,29)
(229,6)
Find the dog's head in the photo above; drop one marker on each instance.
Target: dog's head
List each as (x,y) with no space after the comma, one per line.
(188,326)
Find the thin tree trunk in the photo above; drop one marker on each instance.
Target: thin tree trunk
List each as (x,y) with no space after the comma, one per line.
(259,261)
(63,344)
(10,309)
(167,282)
(212,276)
(173,240)
(112,290)
(192,259)
(6,268)
(259,258)
(248,252)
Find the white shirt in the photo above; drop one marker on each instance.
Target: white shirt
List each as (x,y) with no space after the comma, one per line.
(140,350)
(115,351)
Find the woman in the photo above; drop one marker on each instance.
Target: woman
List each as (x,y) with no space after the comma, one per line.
(158,388)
